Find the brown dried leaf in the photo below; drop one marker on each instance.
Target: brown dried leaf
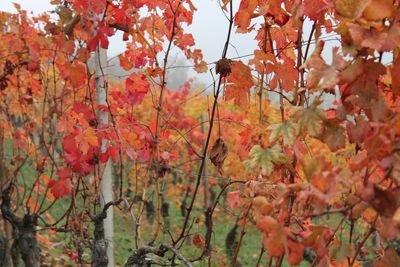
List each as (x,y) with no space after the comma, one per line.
(218,153)
(224,67)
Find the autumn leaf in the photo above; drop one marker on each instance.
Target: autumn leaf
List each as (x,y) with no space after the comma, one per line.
(233,199)
(286,130)
(379,10)
(76,73)
(218,153)
(244,15)
(63,186)
(201,67)
(333,135)
(239,83)
(310,120)
(286,73)
(358,132)
(352,9)
(125,63)
(390,259)
(341,252)
(322,75)
(381,40)
(264,159)
(385,202)
(295,252)
(315,9)
(395,74)
(274,236)
(137,87)
(199,241)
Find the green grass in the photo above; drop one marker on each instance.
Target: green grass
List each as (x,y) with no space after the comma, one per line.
(248,254)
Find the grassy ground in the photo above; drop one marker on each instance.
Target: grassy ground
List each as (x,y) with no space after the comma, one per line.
(248,255)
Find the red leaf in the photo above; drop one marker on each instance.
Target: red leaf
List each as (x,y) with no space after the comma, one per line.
(239,83)
(295,252)
(137,87)
(63,186)
(64,173)
(198,241)
(114,153)
(315,9)
(395,73)
(104,157)
(233,199)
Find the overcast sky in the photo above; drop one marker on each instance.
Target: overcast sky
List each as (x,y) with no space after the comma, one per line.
(209,29)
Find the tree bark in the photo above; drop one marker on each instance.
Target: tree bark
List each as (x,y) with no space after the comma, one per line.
(25,231)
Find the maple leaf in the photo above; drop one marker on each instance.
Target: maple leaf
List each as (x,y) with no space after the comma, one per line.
(245,14)
(239,83)
(379,10)
(333,135)
(395,74)
(137,87)
(125,63)
(265,159)
(381,40)
(233,199)
(75,72)
(62,186)
(274,236)
(295,255)
(315,9)
(322,75)
(390,259)
(385,202)
(199,241)
(352,9)
(341,252)
(287,130)
(310,120)
(287,73)
(359,131)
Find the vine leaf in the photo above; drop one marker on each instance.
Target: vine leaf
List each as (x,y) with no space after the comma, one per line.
(395,73)
(310,120)
(351,9)
(287,130)
(62,186)
(218,153)
(239,84)
(322,75)
(391,258)
(265,159)
(233,199)
(333,135)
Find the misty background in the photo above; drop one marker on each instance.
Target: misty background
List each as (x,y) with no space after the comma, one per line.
(209,29)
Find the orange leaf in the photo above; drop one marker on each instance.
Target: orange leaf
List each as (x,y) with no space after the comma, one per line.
(199,241)
(233,199)
(239,83)
(395,73)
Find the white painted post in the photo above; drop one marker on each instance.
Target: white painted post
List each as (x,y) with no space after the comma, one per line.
(106,192)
